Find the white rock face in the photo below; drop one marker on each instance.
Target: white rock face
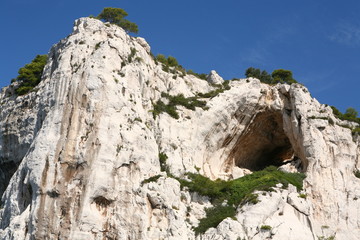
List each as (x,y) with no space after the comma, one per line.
(74,154)
(214,78)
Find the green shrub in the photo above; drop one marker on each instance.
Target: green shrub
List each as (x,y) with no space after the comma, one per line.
(171,65)
(265,228)
(97,46)
(189,103)
(162,159)
(345,126)
(23,90)
(282,76)
(211,94)
(336,112)
(199,75)
(139,59)
(131,55)
(116,16)
(277,76)
(161,58)
(303,195)
(181,70)
(166,68)
(355,131)
(263,76)
(160,107)
(172,62)
(326,238)
(350,114)
(250,198)
(137,119)
(170,108)
(214,216)
(226,85)
(236,192)
(30,75)
(220,89)
(150,179)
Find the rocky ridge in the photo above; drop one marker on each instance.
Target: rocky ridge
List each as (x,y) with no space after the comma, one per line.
(75,152)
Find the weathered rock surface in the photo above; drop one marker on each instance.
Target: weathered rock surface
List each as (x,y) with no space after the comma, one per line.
(74,153)
(214,78)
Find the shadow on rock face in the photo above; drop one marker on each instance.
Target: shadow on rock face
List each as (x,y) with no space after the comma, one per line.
(263,143)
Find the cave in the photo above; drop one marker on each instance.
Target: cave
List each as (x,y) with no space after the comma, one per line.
(7,169)
(263,143)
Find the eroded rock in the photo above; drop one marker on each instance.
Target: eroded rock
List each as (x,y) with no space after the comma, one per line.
(75,153)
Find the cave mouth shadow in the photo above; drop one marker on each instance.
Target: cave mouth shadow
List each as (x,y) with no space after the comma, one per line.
(263,143)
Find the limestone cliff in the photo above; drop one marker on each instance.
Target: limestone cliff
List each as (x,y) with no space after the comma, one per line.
(75,152)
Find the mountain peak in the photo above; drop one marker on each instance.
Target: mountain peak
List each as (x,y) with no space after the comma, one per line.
(104,145)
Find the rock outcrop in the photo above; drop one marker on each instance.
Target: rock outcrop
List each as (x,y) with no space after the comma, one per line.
(214,78)
(74,154)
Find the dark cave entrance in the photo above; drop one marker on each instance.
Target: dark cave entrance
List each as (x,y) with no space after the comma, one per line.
(7,170)
(263,143)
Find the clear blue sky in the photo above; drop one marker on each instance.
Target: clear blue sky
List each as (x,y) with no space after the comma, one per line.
(319,40)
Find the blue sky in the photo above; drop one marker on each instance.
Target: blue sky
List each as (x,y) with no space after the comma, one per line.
(318,40)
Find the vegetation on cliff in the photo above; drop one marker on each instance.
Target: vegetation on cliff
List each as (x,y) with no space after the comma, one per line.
(226,196)
(116,16)
(277,76)
(350,114)
(30,75)
(189,102)
(173,101)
